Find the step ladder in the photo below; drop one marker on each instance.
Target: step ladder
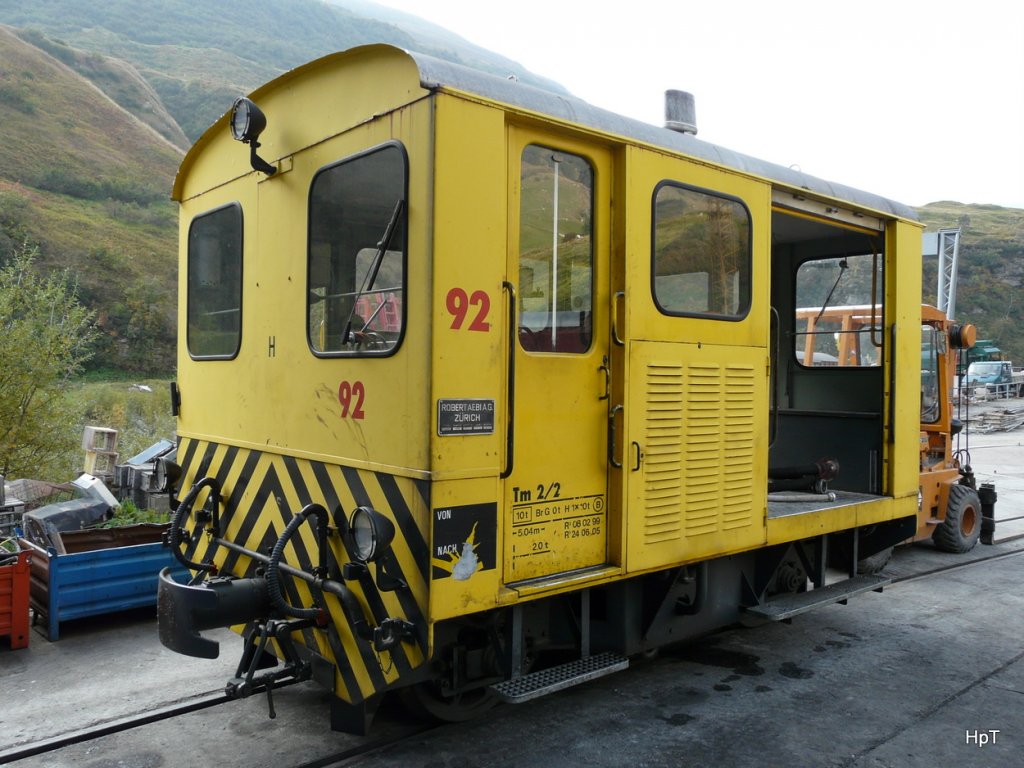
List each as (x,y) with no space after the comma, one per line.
(787,606)
(545,681)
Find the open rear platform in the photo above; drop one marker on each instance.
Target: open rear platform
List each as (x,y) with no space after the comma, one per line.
(815,503)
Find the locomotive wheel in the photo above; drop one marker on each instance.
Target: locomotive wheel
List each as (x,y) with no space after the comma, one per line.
(960,530)
(425,701)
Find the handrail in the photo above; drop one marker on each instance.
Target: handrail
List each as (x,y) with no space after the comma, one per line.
(612,436)
(510,435)
(615,315)
(773,378)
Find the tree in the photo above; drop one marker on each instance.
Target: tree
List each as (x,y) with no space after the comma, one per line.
(45,337)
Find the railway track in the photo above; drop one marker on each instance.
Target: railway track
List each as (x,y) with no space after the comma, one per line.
(342,757)
(186,707)
(118,725)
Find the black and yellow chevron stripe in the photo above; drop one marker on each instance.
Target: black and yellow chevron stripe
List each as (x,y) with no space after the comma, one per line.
(261,491)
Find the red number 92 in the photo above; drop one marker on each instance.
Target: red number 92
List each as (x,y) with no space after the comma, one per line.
(351,395)
(458,303)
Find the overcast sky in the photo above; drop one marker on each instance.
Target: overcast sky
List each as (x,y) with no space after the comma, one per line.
(911,99)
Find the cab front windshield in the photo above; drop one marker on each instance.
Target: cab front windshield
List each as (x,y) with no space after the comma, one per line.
(984,369)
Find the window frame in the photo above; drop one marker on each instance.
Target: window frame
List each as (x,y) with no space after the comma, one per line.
(747,305)
(936,348)
(592,287)
(237,206)
(869,330)
(404,225)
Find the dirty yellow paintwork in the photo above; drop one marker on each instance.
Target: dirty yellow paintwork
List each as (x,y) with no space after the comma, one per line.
(294,393)
(572,484)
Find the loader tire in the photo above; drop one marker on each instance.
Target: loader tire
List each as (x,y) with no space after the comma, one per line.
(959,532)
(874,563)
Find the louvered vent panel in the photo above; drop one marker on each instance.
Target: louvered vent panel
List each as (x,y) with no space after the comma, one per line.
(738,458)
(718,449)
(663,467)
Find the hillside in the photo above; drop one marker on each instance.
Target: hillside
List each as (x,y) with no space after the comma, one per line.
(99,102)
(991,273)
(118,79)
(92,193)
(200,56)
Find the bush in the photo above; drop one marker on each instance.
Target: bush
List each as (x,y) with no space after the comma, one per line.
(47,336)
(129,514)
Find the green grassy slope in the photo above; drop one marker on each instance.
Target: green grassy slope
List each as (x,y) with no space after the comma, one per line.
(991,272)
(89,182)
(89,185)
(199,56)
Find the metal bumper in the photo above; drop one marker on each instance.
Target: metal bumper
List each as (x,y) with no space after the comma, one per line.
(184,611)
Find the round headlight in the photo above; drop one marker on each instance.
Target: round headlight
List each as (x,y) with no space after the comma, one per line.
(166,473)
(371,534)
(247,120)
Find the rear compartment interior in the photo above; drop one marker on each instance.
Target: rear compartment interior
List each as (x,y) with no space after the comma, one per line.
(823,408)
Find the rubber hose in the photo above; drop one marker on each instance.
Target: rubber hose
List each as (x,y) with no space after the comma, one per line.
(184,507)
(798,497)
(273,567)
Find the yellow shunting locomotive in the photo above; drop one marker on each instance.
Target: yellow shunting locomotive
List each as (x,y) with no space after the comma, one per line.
(483,390)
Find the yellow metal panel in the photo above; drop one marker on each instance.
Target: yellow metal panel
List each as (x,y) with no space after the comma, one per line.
(468,326)
(697,452)
(697,399)
(464,513)
(646,170)
(555,501)
(803,526)
(330,95)
(903,287)
(275,374)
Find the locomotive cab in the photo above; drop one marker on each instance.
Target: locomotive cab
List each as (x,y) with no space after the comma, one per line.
(478,381)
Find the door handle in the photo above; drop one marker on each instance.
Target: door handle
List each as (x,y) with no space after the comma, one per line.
(639,456)
(619,296)
(607,378)
(611,436)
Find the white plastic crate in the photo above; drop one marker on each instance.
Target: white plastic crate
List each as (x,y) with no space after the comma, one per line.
(99,439)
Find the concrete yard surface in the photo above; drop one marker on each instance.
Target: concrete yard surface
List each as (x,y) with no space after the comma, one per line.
(929,672)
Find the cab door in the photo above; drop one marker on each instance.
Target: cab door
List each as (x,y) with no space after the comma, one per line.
(695,440)
(556,486)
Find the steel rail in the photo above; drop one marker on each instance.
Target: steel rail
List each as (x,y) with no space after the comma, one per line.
(117,725)
(342,757)
(962,563)
(128,722)
(215,698)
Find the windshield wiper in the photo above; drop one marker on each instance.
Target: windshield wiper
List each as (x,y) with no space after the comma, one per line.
(842,268)
(371,273)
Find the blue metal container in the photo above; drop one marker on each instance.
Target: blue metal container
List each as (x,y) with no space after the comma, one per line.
(101,571)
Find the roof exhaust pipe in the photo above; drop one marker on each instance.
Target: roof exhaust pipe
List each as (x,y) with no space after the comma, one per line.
(680,112)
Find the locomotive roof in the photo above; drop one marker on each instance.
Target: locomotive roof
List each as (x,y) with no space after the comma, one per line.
(435,74)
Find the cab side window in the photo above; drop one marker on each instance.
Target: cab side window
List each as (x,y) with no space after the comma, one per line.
(215,284)
(702,253)
(839,316)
